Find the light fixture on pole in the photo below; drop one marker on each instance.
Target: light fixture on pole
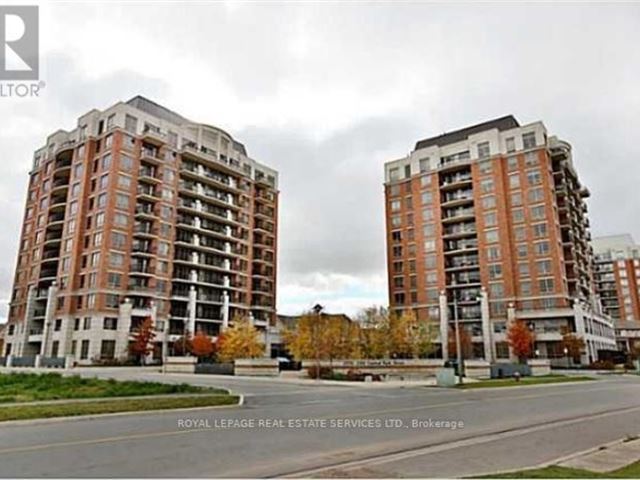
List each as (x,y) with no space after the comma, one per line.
(317,308)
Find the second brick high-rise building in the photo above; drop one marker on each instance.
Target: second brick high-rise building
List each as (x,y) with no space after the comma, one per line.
(492,218)
(139,212)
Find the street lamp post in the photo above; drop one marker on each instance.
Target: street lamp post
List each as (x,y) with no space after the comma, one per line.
(317,308)
(457,325)
(566,356)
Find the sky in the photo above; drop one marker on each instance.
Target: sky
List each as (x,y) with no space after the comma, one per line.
(326,93)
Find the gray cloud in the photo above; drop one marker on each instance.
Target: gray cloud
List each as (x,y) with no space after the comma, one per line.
(327,93)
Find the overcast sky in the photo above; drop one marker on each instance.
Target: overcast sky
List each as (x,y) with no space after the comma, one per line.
(326,93)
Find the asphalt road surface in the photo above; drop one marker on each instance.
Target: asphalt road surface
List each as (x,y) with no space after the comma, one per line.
(330,431)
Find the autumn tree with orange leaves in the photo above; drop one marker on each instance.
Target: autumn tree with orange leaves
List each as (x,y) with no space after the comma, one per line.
(142,341)
(201,345)
(521,339)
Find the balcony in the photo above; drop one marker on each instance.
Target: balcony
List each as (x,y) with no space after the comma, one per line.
(455,181)
(150,155)
(153,135)
(146,174)
(148,194)
(454,215)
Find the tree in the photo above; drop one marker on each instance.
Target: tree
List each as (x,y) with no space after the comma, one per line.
(374,330)
(466,343)
(142,344)
(241,340)
(520,339)
(574,346)
(410,338)
(182,346)
(201,345)
(326,337)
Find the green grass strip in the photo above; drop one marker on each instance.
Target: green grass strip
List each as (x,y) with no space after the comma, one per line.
(27,412)
(630,471)
(510,382)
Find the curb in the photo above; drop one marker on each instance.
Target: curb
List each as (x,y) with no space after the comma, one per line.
(557,461)
(94,416)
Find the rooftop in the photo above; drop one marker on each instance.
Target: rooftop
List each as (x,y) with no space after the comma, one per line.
(503,123)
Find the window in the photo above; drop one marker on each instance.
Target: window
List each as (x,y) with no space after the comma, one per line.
(430,262)
(496,290)
(518,215)
(502,350)
(514,181)
(539,230)
(484,150)
(427,214)
(431,278)
(546,285)
(531,159)
(525,288)
(86,323)
(57,325)
(512,163)
(490,219)
(76,324)
(522,250)
(426,198)
(163,248)
(430,246)
(110,323)
(122,200)
(511,144)
(523,269)
(491,236)
(112,300)
(493,253)
(529,140)
(396,221)
(424,164)
(407,171)
(425,180)
(394,190)
(534,177)
(535,195)
(429,230)
(543,267)
(396,236)
(124,181)
(130,123)
(398,282)
(519,233)
(538,213)
(106,161)
(114,280)
(486,185)
(107,349)
(495,271)
(126,163)
(541,248)
(118,240)
(120,220)
(116,259)
(395,205)
(397,267)
(394,174)
(516,199)
(488,202)
(102,200)
(398,298)
(84,350)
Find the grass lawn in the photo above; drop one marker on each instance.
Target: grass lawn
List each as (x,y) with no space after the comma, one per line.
(29,387)
(630,471)
(510,382)
(26,412)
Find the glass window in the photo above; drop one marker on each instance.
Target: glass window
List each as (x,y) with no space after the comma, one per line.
(529,140)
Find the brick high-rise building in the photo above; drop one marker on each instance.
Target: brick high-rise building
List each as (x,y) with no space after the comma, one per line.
(493,217)
(617,276)
(139,212)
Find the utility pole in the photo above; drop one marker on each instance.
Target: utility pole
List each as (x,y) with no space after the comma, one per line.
(457,324)
(318,311)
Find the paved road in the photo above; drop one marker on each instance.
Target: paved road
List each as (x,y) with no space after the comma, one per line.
(503,429)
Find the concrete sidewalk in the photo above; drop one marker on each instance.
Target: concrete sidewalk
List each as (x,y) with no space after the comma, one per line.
(606,458)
